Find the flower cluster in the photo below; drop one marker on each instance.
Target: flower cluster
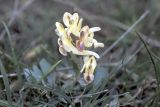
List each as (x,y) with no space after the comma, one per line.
(71,29)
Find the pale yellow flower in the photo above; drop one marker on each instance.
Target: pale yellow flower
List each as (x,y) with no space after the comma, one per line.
(61,49)
(73,23)
(89,68)
(66,44)
(86,38)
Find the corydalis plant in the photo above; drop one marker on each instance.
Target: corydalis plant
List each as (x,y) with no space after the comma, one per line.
(85,39)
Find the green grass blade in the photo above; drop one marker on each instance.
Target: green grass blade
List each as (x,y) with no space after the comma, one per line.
(7,56)
(152,60)
(157,73)
(11,44)
(6,83)
(15,60)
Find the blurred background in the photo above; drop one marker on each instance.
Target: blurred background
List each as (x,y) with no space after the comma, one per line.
(31,24)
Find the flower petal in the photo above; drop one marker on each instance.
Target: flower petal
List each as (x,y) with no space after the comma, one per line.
(60,28)
(85,29)
(80,45)
(75,17)
(91,65)
(94,29)
(88,44)
(97,44)
(67,18)
(86,52)
(79,26)
(88,77)
(68,46)
(57,32)
(60,42)
(62,51)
